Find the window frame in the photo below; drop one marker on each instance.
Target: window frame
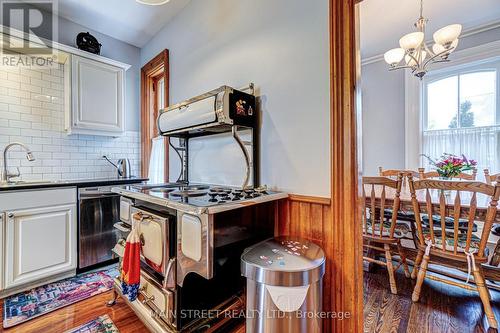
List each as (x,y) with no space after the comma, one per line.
(484,66)
(156,69)
(414,95)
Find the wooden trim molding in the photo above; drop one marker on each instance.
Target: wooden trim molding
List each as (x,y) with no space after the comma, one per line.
(310,199)
(151,72)
(343,235)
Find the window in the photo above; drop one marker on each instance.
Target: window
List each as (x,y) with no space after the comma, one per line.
(154,97)
(461,113)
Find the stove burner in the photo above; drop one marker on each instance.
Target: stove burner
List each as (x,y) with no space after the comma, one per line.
(161,189)
(193,188)
(220,190)
(188,193)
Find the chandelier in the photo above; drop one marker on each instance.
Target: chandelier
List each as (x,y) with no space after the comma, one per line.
(413,49)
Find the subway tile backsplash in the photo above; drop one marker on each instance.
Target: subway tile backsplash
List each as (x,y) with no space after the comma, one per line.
(32,112)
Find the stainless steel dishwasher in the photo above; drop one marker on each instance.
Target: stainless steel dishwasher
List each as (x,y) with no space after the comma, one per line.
(99,209)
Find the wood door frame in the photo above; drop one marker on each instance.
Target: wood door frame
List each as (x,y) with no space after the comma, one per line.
(346,265)
(156,68)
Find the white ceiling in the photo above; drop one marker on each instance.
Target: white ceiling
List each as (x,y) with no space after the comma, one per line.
(125,20)
(383,22)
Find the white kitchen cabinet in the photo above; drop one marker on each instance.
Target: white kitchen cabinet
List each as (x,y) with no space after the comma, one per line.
(97,98)
(40,230)
(40,243)
(2,223)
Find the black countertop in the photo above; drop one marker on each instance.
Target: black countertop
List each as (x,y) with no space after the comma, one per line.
(27,185)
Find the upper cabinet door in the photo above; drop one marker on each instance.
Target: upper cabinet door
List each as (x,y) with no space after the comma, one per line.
(97,98)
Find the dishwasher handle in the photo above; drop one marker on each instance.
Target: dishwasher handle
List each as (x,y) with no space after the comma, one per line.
(95,193)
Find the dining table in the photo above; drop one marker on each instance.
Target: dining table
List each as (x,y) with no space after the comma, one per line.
(491,269)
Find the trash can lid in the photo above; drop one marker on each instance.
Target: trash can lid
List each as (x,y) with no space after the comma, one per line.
(284,261)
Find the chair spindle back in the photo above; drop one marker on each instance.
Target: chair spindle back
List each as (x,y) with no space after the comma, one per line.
(373,217)
(463,190)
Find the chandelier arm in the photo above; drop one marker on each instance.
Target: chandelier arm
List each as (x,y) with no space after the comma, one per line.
(429,51)
(415,59)
(434,57)
(401,67)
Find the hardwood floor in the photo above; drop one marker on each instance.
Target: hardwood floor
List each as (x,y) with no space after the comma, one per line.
(79,313)
(442,308)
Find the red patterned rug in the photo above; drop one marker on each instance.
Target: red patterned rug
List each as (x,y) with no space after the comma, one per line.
(39,301)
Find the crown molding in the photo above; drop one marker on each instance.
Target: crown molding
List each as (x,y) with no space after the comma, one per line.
(466,33)
(62,47)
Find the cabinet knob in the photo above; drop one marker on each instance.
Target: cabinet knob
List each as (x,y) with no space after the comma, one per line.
(10,215)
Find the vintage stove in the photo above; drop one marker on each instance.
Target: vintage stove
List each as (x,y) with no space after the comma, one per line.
(192,234)
(199,197)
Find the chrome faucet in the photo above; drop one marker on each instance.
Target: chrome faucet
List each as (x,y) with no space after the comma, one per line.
(29,155)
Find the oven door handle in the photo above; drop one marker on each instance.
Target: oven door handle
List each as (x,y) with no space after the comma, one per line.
(169,281)
(122,227)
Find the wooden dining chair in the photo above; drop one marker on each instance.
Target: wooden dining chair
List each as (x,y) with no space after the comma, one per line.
(435,174)
(453,246)
(491,178)
(378,232)
(395,172)
(403,215)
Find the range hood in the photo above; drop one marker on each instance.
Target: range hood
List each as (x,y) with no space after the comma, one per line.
(213,112)
(221,110)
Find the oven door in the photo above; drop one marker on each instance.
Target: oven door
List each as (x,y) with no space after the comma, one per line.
(153,233)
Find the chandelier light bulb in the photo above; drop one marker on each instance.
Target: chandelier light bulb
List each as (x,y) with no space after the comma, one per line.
(438,48)
(394,56)
(445,36)
(152,2)
(412,40)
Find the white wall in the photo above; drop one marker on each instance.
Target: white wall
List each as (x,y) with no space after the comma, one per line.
(282,46)
(383,118)
(383,105)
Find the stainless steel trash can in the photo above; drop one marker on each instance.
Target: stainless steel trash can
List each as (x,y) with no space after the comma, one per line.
(284,286)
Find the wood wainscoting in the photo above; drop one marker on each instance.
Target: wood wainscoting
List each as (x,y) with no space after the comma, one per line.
(310,217)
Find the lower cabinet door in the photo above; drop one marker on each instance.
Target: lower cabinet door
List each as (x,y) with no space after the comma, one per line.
(40,242)
(2,225)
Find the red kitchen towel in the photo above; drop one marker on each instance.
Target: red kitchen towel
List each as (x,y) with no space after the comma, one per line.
(131,268)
